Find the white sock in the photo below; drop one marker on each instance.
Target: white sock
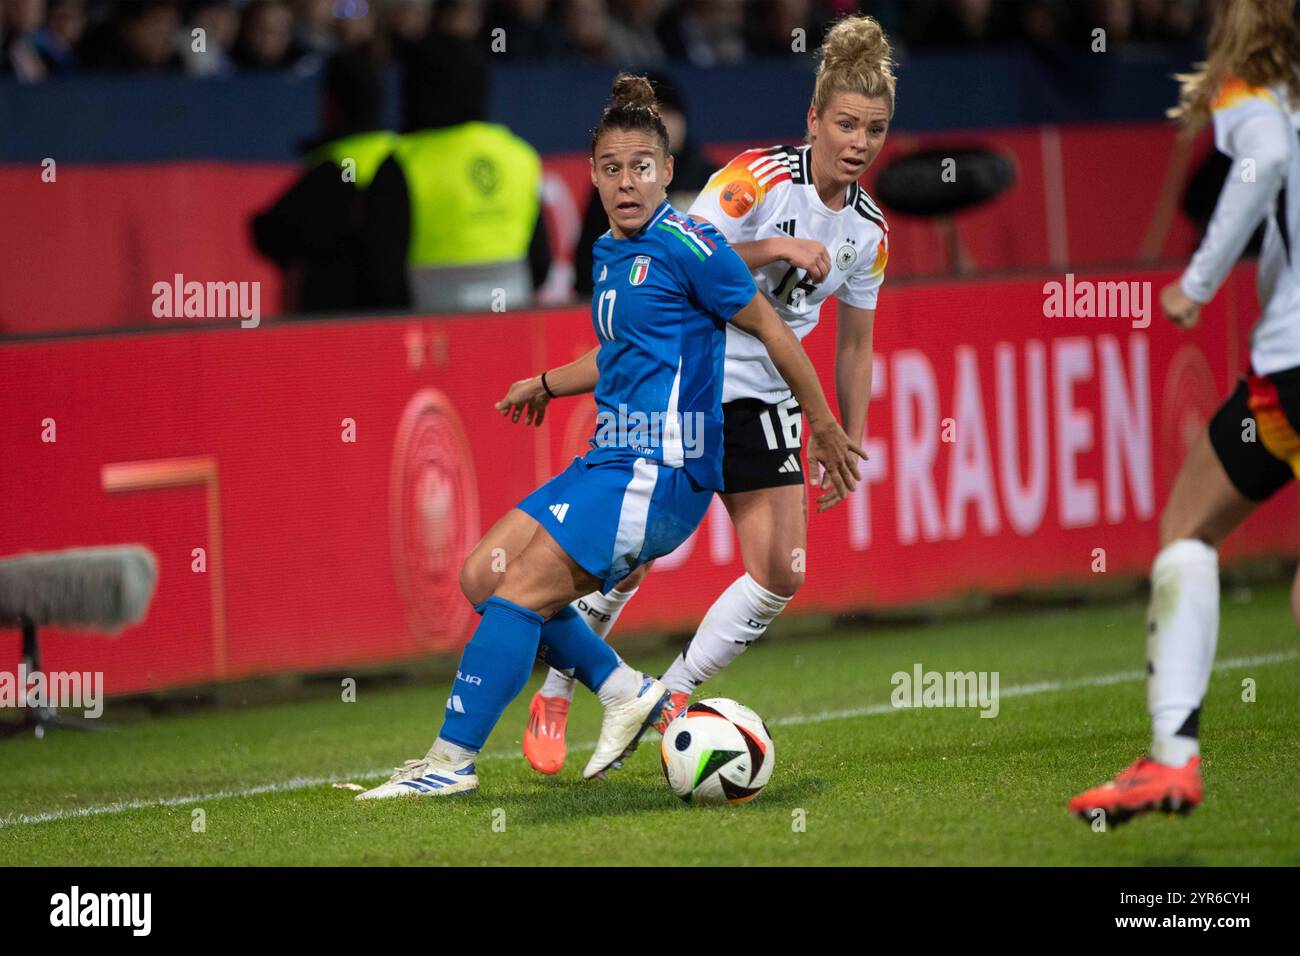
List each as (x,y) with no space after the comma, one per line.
(1182,630)
(623,683)
(559,684)
(451,753)
(600,611)
(738,617)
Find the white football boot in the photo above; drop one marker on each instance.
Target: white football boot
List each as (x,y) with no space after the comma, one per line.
(625,722)
(433,775)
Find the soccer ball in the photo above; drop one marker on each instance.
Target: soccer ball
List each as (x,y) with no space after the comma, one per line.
(717,751)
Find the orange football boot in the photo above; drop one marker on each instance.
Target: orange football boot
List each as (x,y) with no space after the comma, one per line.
(544,738)
(1144,786)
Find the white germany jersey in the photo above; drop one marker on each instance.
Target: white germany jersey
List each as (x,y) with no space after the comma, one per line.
(1256,128)
(764,193)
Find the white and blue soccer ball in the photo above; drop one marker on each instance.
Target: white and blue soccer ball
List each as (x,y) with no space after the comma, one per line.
(717,751)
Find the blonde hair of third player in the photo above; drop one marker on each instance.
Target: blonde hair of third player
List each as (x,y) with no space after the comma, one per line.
(1255,41)
(855,58)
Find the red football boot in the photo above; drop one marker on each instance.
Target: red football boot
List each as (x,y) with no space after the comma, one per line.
(544,738)
(1144,786)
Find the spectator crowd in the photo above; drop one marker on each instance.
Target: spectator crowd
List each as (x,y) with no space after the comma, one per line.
(41,39)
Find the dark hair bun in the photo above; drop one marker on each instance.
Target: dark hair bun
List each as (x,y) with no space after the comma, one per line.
(632,106)
(631,91)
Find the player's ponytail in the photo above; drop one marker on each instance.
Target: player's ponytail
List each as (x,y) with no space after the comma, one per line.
(855,58)
(1255,41)
(633,106)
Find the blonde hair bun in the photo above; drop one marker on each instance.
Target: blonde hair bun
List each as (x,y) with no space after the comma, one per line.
(855,58)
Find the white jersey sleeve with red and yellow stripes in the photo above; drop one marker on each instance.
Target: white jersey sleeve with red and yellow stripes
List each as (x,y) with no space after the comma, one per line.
(735,199)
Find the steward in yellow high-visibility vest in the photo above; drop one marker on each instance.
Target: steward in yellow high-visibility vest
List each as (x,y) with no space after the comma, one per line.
(478,242)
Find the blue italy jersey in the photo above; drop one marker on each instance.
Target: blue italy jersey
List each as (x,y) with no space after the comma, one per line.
(661,302)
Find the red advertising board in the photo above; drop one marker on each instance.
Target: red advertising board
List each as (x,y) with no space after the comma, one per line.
(311,488)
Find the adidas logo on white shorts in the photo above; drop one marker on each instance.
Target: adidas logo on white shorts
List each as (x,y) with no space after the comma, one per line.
(790,465)
(560,511)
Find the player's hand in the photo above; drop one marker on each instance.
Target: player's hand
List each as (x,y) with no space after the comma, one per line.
(809,255)
(829,500)
(835,463)
(833,497)
(1178,307)
(525,397)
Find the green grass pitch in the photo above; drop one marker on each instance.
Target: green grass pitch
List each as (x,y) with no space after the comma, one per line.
(870,784)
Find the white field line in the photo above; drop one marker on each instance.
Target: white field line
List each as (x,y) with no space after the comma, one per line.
(1028,690)
(872,710)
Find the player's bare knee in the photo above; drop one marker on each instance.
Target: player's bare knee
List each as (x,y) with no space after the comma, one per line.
(477,581)
(469,586)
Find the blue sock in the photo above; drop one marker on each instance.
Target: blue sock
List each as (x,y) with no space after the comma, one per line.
(570,644)
(494,668)
(590,662)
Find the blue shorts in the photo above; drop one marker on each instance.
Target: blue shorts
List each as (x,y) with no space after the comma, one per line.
(614,514)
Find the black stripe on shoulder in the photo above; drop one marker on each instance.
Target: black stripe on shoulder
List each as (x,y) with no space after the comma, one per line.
(788,154)
(863,205)
(868,201)
(795,159)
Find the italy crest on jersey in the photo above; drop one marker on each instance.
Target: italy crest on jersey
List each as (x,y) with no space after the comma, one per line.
(640,269)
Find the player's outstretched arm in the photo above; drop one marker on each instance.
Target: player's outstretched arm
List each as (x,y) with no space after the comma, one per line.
(855,328)
(529,397)
(806,254)
(1263,137)
(828,445)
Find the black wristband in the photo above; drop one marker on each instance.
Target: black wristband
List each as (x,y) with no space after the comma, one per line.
(547,388)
